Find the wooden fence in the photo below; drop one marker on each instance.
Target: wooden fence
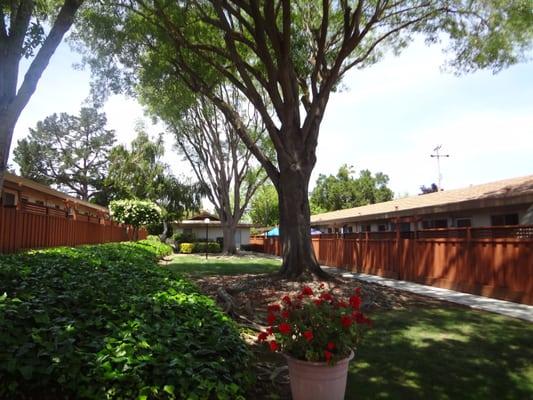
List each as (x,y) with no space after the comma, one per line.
(495,262)
(36,226)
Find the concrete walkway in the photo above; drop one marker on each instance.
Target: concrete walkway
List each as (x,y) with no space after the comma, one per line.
(506,308)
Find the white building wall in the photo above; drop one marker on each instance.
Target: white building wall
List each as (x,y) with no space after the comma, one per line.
(214,233)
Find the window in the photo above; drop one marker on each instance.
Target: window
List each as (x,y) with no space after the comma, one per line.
(39,202)
(434,223)
(365,228)
(382,227)
(329,230)
(463,222)
(504,219)
(8,199)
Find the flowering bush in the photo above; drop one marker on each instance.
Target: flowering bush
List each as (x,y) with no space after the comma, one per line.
(315,327)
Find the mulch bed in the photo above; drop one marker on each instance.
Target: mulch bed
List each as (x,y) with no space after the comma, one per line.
(246,297)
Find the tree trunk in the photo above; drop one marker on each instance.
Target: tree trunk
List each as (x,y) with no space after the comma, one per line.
(164,234)
(6,135)
(295,224)
(228,231)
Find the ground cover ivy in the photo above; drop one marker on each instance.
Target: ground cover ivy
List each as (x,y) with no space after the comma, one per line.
(104,322)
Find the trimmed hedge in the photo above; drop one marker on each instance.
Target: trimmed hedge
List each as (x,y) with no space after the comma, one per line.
(186,248)
(104,322)
(199,247)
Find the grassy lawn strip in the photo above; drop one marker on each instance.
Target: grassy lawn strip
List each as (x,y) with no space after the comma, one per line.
(416,350)
(197,265)
(105,322)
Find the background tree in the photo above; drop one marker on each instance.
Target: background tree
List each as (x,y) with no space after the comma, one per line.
(428,189)
(264,207)
(140,173)
(136,213)
(23,35)
(287,57)
(337,192)
(219,159)
(68,151)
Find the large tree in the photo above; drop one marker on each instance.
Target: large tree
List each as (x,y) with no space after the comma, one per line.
(139,172)
(264,207)
(219,159)
(68,151)
(287,57)
(337,192)
(29,29)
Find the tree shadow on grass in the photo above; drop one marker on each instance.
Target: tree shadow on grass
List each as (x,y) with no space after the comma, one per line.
(436,353)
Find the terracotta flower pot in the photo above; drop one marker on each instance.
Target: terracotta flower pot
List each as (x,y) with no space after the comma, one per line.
(318,380)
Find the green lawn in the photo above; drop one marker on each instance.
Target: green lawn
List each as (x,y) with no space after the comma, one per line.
(429,352)
(444,353)
(197,265)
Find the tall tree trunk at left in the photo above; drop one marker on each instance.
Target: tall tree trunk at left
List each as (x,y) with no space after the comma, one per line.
(6,135)
(12,102)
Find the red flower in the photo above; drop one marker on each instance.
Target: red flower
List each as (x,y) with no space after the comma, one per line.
(308,335)
(273,345)
(284,328)
(346,321)
(360,318)
(269,331)
(271,319)
(262,336)
(287,300)
(326,296)
(317,302)
(274,308)
(307,291)
(342,304)
(285,314)
(358,291)
(330,346)
(355,302)
(327,355)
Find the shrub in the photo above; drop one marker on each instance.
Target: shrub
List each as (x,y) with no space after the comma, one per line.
(159,248)
(186,248)
(101,322)
(212,247)
(153,238)
(183,238)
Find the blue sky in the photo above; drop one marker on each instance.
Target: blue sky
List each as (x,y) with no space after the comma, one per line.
(387,118)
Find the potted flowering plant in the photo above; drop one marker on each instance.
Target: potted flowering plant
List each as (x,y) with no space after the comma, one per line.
(317,333)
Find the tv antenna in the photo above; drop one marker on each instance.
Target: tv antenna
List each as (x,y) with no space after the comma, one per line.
(438,156)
